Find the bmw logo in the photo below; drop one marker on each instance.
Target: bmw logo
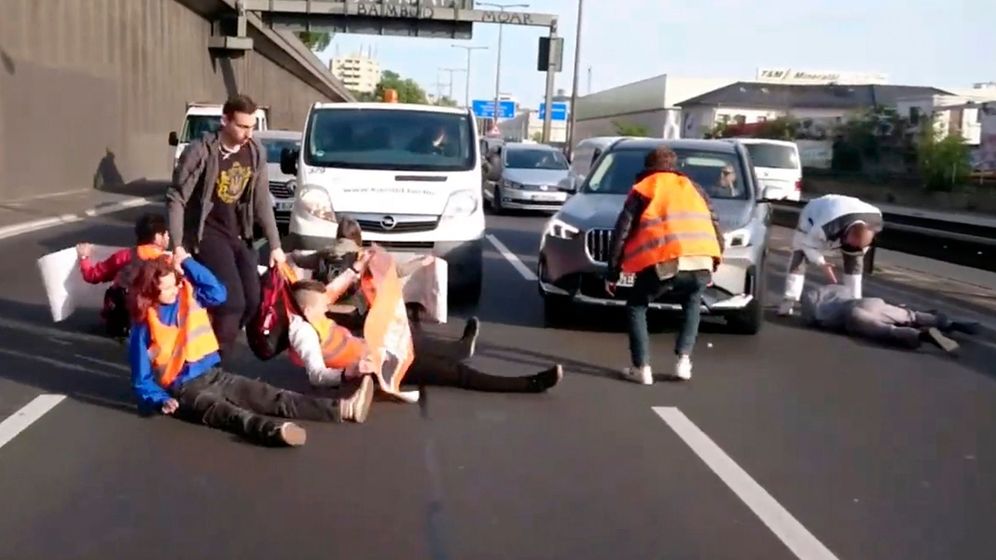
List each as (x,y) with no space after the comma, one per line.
(388,222)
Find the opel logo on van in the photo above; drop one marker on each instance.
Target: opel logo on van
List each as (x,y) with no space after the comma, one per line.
(388,222)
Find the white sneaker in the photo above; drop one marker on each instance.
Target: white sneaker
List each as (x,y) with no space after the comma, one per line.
(785,309)
(683,369)
(643,375)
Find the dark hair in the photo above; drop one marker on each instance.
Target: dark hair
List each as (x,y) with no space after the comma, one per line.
(662,158)
(144,289)
(148,227)
(350,229)
(239,104)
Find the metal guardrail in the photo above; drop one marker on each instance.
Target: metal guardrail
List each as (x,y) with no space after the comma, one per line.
(963,243)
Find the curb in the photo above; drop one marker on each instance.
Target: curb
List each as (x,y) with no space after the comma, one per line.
(44,223)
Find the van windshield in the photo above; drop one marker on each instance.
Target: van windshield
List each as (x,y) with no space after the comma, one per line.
(773,156)
(390,139)
(197,125)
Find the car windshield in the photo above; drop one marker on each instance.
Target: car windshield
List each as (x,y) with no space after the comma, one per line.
(718,173)
(535,159)
(197,125)
(390,139)
(773,156)
(275,147)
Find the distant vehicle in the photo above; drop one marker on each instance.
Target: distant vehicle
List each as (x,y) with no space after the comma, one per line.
(586,153)
(576,241)
(282,185)
(409,174)
(530,177)
(206,117)
(777,165)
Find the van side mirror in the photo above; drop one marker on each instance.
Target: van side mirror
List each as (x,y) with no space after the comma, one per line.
(288,161)
(174,140)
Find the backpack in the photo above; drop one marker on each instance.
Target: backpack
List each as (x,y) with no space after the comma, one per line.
(117,321)
(267,331)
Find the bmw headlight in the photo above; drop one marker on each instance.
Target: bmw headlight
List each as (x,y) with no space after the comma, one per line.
(560,229)
(737,238)
(461,203)
(316,202)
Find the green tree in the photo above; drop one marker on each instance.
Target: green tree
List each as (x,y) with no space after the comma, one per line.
(631,129)
(944,164)
(446,102)
(408,90)
(316,41)
(537,137)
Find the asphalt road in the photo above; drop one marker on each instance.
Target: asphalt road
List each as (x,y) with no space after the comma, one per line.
(875,453)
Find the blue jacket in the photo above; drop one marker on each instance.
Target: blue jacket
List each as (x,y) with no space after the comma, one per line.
(209,293)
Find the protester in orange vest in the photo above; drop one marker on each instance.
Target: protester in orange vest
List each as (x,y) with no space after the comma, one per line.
(175,363)
(152,238)
(668,237)
(330,353)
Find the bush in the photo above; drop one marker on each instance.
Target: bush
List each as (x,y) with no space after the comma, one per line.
(943,164)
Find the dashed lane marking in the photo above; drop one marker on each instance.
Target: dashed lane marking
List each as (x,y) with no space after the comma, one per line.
(512,258)
(27,415)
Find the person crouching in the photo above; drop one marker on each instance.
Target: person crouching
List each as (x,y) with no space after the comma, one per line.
(174,360)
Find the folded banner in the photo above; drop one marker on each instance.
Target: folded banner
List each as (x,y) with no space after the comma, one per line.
(64,285)
(386,329)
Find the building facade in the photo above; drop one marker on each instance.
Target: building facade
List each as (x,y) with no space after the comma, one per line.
(359,72)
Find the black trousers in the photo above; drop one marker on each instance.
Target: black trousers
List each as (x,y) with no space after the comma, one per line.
(234,263)
(237,404)
(440,362)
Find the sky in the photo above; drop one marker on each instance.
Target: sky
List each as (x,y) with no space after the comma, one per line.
(914,42)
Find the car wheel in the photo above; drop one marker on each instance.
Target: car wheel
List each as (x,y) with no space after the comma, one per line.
(557,311)
(751,318)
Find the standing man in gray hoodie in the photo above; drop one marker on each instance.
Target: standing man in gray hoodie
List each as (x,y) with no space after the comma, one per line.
(220,190)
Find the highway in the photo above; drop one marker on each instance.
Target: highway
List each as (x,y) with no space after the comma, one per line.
(788,444)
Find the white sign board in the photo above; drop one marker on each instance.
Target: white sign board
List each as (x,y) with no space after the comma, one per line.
(64,285)
(815,77)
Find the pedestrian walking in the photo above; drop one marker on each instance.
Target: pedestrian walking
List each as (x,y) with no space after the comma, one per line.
(668,236)
(220,191)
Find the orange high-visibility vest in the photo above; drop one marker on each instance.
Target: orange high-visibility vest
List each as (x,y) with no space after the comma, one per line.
(192,339)
(676,223)
(139,254)
(340,349)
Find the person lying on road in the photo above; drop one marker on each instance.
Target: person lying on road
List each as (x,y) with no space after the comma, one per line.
(151,240)
(175,362)
(330,352)
(831,308)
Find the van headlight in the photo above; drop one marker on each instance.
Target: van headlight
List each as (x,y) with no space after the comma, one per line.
(460,204)
(560,229)
(737,238)
(316,202)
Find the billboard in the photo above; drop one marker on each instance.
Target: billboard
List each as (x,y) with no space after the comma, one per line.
(559,111)
(816,77)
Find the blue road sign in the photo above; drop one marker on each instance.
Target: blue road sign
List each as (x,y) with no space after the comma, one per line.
(485,109)
(559,111)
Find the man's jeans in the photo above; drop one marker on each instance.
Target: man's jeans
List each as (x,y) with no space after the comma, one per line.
(688,286)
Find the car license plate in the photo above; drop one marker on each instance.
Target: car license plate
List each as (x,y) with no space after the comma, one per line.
(547,197)
(626,280)
(283,205)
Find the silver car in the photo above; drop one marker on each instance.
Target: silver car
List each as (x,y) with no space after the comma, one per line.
(576,240)
(282,186)
(529,177)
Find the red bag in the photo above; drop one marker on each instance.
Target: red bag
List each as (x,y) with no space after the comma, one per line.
(267,330)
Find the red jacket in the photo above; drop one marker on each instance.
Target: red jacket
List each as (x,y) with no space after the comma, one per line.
(108,269)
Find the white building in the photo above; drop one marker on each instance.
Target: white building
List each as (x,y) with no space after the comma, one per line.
(984,157)
(960,113)
(359,72)
(651,103)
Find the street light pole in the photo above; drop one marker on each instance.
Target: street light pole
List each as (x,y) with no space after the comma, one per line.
(451,71)
(574,90)
(466,98)
(501,7)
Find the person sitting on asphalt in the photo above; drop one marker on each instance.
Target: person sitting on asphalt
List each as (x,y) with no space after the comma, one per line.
(151,240)
(330,353)
(825,223)
(175,362)
(831,308)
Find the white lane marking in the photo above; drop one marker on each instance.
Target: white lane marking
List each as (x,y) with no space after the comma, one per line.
(45,223)
(20,420)
(511,258)
(796,537)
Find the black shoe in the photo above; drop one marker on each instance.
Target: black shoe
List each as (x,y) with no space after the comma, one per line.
(934,336)
(547,378)
(967,327)
(469,339)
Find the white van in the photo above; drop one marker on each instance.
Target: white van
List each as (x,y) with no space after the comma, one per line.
(777,166)
(205,117)
(409,174)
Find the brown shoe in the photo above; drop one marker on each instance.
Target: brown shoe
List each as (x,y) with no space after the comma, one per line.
(292,434)
(356,407)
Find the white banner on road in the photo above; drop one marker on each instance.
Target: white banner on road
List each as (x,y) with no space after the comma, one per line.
(64,285)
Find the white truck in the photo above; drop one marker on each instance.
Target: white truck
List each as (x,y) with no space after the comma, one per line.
(205,117)
(409,174)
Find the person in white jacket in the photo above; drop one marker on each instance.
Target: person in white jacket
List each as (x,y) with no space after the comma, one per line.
(829,222)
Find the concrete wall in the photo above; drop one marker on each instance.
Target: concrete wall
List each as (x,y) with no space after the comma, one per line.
(89,90)
(660,123)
